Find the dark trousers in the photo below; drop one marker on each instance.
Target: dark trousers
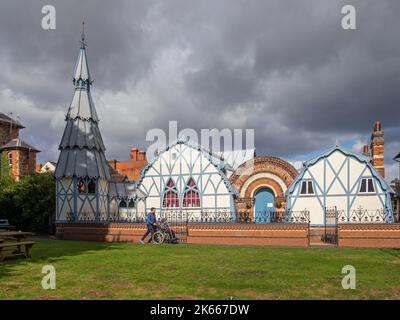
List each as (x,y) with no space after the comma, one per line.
(150,229)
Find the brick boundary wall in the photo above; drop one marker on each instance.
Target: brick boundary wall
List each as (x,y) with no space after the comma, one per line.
(241,234)
(369,235)
(111,232)
(230,234)
(349,235)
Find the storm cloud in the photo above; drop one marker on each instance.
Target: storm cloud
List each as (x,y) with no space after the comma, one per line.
(283,67)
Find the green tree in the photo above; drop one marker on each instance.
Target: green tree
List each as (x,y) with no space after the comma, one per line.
(6,181)
(30,203)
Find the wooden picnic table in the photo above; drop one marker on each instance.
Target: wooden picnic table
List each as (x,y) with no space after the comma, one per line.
(18,236)
(15,234)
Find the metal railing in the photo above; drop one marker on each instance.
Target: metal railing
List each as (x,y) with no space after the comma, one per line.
(202,216)
(365,216)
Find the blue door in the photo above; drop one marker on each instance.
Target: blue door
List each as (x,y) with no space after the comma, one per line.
(264,205)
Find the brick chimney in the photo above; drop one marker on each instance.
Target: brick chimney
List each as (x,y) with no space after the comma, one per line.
(142,155)
(134,154)
(366,150)
(377,149)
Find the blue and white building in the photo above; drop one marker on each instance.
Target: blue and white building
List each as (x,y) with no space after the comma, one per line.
(188,178)
(345,181)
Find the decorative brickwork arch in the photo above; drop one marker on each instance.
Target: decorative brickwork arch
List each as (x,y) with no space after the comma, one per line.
(271,172)
(263,182)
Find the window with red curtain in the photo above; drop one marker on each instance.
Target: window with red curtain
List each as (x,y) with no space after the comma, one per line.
(171,199)
(191,198)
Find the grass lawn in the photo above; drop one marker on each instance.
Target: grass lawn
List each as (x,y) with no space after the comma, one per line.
(90,270)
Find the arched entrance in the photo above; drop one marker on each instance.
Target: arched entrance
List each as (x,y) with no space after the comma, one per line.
(263,205)
(270,172)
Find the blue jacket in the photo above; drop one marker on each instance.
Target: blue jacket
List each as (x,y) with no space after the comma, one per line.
(150,218)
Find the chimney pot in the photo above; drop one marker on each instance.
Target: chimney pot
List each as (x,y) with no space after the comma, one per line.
(142,155)
(377,149)
(134,153)
(366,150)
(377,126)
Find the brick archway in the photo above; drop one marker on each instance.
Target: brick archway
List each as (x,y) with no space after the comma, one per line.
(264,182)
(271,172)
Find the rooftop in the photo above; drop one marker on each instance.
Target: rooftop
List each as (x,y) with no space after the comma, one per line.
(7,119)
(18,144)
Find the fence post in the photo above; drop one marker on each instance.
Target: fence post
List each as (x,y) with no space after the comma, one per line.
(325,211)
(336,227)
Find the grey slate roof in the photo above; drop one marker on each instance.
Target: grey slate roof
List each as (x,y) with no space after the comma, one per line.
(18,144)
(82,147)
(82,163)
(125,190)
(82,106)
(5,118)
(82,67)
(80,133)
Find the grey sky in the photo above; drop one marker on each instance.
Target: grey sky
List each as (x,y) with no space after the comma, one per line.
(283,67)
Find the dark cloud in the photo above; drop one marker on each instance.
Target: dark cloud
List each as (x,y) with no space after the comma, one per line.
(284,68)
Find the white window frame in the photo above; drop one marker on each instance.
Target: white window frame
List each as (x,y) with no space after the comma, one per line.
(367,179)
(307,182)
(10,159)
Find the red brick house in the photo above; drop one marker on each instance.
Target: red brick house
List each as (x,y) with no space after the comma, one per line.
(20,155)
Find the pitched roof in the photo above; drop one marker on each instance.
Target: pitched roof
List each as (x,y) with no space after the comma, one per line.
(115,175)
(397,157)
(125,190)
(82,106)
(18,144)
(82,163)
(82,67)
(234,158)
(80,134)
(215,159)
(7,119)
(82,148)
(361,158)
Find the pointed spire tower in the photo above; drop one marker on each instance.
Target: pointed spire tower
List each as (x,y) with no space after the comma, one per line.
(82,171)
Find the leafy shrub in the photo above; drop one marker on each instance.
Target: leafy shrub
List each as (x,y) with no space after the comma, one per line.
(30,203)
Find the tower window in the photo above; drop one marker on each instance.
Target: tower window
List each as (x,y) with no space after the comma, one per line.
(131,204)
(307,187)
(367,185)
(81,186)
(92,187)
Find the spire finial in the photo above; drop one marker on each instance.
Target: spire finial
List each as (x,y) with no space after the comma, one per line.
(83,43)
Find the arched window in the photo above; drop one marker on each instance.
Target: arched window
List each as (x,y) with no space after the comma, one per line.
(92,187)
(81,186)
(171,199)
(131,204)
(122,204)
(191,198)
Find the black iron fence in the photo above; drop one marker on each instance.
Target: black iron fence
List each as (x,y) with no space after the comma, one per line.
(330,225)
(361,215)
(218,217)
